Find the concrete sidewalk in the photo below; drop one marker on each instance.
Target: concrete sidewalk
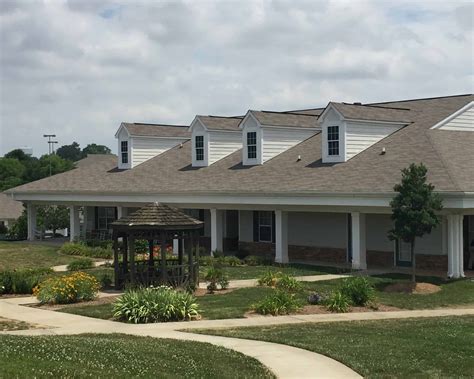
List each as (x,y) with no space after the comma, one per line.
(284,361)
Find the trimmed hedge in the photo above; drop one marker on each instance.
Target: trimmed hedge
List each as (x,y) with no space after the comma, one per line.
(75,248)
(22,281)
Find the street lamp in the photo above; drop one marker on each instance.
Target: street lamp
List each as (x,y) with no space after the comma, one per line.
(50,147)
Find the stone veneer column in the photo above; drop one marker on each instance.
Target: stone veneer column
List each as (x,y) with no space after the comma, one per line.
(281,237)
(359,253)
(455,246)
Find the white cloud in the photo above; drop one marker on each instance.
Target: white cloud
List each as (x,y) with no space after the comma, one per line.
(78,68)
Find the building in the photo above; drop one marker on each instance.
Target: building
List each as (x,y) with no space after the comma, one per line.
(307,185)
(10,210)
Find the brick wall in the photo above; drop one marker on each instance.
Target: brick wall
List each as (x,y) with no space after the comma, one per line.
(379,258)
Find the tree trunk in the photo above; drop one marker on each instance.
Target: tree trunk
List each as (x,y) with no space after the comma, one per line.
(413,262)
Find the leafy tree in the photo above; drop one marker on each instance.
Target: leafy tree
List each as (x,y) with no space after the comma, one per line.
(11,173)
(414,209)
(71,152)
(58,165)
(51,217)
(19,229)
(17,154)
(93,148)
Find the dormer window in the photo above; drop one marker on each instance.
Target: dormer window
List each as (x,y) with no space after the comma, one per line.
(333,140)
(199,147)
(252,145)
(124,151)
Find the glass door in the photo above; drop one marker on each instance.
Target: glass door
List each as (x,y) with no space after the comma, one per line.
(403,254)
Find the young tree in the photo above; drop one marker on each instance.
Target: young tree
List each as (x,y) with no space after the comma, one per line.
(414,209)
(52,217)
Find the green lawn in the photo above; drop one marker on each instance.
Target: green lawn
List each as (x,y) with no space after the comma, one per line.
(16,255)
(421,348)
(236,303)
(253,272)
(121,356)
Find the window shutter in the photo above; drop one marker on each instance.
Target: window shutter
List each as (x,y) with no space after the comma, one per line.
(255,226)
(273,227)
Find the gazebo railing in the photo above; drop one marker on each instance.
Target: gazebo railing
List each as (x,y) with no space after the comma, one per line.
(146,274)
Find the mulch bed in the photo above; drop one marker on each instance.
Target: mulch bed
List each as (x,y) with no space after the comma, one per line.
(413,288)
(203,292)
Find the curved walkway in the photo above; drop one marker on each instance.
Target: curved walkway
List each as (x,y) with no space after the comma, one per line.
(284,361)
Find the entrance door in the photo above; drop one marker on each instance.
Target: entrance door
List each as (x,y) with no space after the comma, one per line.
(403,254)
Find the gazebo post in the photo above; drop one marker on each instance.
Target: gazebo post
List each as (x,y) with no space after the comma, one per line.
(190,261)
(125,254)
(151,263)
(197,258)
(163,257)
(180,250)
(131,249)
(116,259)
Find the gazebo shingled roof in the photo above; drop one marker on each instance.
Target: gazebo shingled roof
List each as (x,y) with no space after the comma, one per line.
(157,216)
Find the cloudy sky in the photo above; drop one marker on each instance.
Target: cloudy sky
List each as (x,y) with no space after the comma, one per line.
(79,68)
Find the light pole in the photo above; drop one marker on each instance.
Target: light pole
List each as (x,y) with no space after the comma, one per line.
(50,147)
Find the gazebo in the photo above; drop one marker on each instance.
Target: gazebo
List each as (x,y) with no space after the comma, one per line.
(159,225)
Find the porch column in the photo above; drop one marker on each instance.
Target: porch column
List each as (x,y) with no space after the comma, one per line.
(281,237)
(217,228)
(359,260)
(119,212)
(31,218)
(455,246)
(74,222)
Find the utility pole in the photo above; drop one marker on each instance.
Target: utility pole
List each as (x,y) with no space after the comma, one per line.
(50,147)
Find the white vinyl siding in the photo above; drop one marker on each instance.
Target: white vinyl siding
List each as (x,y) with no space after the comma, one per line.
(221,144)
(276,141)
(361,136)
(462,122)
(145,148)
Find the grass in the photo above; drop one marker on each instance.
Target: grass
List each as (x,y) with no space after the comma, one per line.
(236,303)
(8,325)
(121,356)
(253,272)
(421,348)
(16,255)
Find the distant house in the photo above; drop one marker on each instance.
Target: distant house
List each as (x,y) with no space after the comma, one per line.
(10,210)
(310,185)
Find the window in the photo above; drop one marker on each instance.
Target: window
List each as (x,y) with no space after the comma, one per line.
(199,146)
(105,216)
(252,145)
(265,226)
(124,151)
(333,140)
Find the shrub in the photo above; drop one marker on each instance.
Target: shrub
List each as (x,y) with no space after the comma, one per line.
(253,260)
(232,261)
(316,298)
(217,254)
(278,303)
(215,276)
(141,246)
(288,283)
(80,249)
(21,281)
(80,264)
(206,260)
(338,302)
(160,304)
(105,280)
(269,278)
(358,290)
(71,288)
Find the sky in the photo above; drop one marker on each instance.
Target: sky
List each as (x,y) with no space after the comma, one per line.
(79,68)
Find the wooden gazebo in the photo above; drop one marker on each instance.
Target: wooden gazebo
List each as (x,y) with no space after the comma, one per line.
(159,225)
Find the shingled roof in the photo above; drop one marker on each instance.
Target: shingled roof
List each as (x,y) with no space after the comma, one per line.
(156,130)
(448,156)
(220,122)
(9,208)
(158,216)
(285,119)
(374,112)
